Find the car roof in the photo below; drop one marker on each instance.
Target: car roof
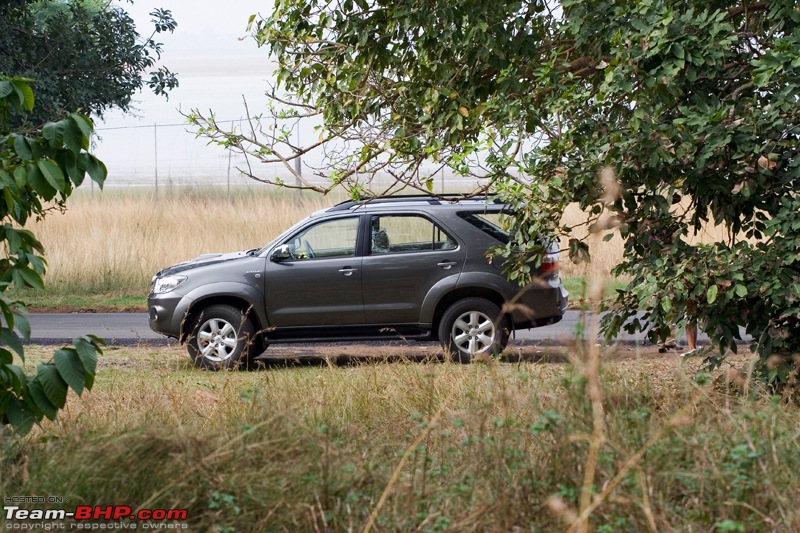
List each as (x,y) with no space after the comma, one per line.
(416,201)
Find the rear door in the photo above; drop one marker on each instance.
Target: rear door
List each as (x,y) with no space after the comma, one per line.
(407,255)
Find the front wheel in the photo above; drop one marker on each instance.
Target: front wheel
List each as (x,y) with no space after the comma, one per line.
(221,337)
(473,326)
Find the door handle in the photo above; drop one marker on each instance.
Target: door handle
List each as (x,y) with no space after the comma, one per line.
(447,265)
(348,271)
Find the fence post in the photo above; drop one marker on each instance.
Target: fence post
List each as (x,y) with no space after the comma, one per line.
(155,151)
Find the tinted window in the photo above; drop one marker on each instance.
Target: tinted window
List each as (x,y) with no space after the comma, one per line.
(396,234)
(488,223)
(333,238)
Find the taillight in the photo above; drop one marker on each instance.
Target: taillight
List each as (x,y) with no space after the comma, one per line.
(549,263)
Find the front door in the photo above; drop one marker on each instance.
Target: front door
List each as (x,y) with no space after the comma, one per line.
(320,283)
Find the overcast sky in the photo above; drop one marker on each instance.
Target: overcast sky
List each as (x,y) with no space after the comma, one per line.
(216,61)
(217,65)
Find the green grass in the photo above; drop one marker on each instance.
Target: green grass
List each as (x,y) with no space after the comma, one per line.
(579,287)
(416,446)
(58,299)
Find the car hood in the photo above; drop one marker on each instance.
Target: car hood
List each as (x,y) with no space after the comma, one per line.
(205,260)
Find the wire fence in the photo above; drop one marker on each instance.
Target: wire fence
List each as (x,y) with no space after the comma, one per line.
(168,155)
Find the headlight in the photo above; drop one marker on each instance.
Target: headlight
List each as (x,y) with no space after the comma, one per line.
(167,284)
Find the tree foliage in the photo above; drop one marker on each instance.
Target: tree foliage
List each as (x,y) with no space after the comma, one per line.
(688,109)
(38,172)
(82,55)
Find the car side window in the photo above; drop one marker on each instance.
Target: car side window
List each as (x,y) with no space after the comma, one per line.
(326,240)
(407,233)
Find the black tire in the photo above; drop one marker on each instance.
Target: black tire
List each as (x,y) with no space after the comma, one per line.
(222,337)
(473,326)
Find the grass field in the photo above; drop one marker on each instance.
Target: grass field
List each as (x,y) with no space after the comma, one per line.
(398,446)
(387,439)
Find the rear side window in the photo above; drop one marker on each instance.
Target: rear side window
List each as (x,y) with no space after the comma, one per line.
(407,233)
(489,223)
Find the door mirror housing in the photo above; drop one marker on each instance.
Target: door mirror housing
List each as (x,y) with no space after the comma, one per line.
(281,253)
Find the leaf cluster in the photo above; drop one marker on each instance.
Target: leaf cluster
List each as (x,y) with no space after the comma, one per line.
(80,55)
(38,172)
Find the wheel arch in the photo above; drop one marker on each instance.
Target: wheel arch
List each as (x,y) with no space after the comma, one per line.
(223,299)
(459,294)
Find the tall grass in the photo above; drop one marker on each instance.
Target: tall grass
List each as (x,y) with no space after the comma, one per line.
(116,240)
(418,447)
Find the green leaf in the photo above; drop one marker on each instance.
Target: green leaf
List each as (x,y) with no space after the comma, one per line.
(88,355)
(38,183)
(9,199)
(73,136)
(22,147)
(52,174)
(22,325)
(21,177)
(40,399)
(740,290)
(70,367)
(97,170)
(26,92)
(76,168)
(54,386)
(20,417)
(666,304)
(711,294)
(14,240)
(5,88)
(18,377)
(30,277)
(53,132)
(8,314)
(83,123)
(12,340)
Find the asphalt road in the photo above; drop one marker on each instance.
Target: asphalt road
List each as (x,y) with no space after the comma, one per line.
(133,328)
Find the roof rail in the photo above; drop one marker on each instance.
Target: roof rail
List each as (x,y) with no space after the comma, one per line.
(431,199)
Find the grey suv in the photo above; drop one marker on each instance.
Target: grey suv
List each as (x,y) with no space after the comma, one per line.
(383,268)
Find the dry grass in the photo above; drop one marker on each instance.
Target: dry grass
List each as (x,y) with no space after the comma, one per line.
(117,240)
(419,446)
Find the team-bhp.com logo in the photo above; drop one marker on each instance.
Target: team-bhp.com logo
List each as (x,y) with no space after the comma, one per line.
(94,516)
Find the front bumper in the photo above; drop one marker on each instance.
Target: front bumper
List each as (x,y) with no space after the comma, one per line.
(166,313)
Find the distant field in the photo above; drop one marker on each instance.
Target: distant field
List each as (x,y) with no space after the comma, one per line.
(419,446)
(103,251)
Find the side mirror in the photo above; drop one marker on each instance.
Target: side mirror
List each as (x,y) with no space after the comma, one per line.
(281,253)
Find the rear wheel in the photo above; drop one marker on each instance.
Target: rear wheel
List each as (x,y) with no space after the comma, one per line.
(473,326)
(222,337)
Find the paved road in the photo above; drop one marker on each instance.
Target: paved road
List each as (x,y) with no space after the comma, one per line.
(133,328)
